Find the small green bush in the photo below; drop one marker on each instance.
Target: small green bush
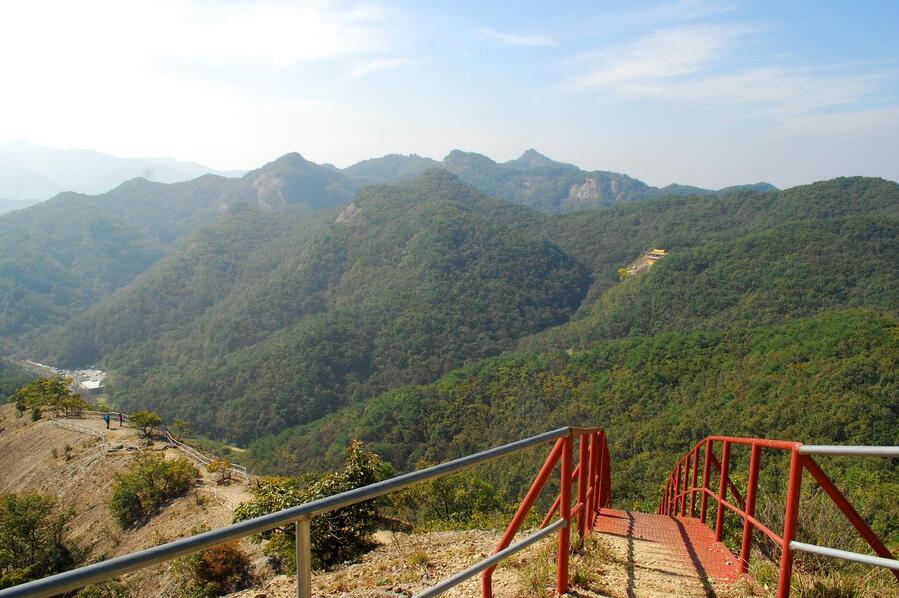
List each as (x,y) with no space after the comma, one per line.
(454,502)
(54,393)
(145,421)
(105,589)
(35,413)
(148,484)
(31,544)
(337,536)
(214,572)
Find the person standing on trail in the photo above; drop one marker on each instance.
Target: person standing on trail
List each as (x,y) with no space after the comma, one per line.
(106,419)
(121,420)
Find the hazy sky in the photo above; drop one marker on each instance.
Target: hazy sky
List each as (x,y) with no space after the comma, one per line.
(700,92)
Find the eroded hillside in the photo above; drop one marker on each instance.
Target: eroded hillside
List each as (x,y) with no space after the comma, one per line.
(78,470)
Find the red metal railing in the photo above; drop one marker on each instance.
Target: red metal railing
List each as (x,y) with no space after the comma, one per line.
(593,476)
(683,486)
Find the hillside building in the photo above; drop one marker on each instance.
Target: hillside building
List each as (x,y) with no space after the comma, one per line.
(645,261)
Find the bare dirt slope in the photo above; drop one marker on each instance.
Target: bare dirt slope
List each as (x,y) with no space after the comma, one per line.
(406,564)
(78,470)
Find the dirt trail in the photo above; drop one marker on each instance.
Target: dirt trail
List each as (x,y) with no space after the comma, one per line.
(659,556)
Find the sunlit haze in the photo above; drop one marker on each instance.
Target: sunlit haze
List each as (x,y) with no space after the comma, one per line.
(699,92)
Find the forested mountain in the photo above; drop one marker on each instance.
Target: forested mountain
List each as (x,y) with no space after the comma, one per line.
(538,182)
(63,255)
(828,379)
(264,321)
(34,172)
(389,168)
(533,180)
(743,329)
(267,320)
(8,205)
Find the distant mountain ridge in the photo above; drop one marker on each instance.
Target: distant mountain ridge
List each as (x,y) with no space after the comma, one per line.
(34,172)
(63,255)
(532,179)
(8,205)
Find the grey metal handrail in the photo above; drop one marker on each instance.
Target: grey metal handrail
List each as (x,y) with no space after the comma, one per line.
(849,451)
(490,561)
(856,557)
(299,515)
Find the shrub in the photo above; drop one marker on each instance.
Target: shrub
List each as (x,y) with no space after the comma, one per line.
(336,536)
(148,484)
(145,421)
(105,589)
(31,544)
(35,413)
(180,428)
(450,502)
(52,392)
(221,467)
(214,572)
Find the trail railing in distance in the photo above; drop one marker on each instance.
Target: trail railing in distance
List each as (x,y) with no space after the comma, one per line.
(593,492)
(70,425)
(203,458)
(195,454)
(685,484)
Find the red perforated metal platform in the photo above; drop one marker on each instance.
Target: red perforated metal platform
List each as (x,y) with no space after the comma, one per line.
(682,548)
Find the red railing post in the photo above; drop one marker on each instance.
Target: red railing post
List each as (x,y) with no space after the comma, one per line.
(600,467)
(790,517)
(686,498)
(693,484)
(662,502)
(582,486)
(591,477)
(672,493)
(669,507)
(706,470)
(722,491)
(607,477)
(752,486)
(565,513)
(523,509)
(677,488)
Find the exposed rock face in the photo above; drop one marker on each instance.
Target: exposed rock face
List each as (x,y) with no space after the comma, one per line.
(268,191)
(586,191)
(348,214)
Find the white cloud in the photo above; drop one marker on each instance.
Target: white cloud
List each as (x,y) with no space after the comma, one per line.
(361,68)
(691,64)
(512,39)
(261,34)
(665,54)
(173,76)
